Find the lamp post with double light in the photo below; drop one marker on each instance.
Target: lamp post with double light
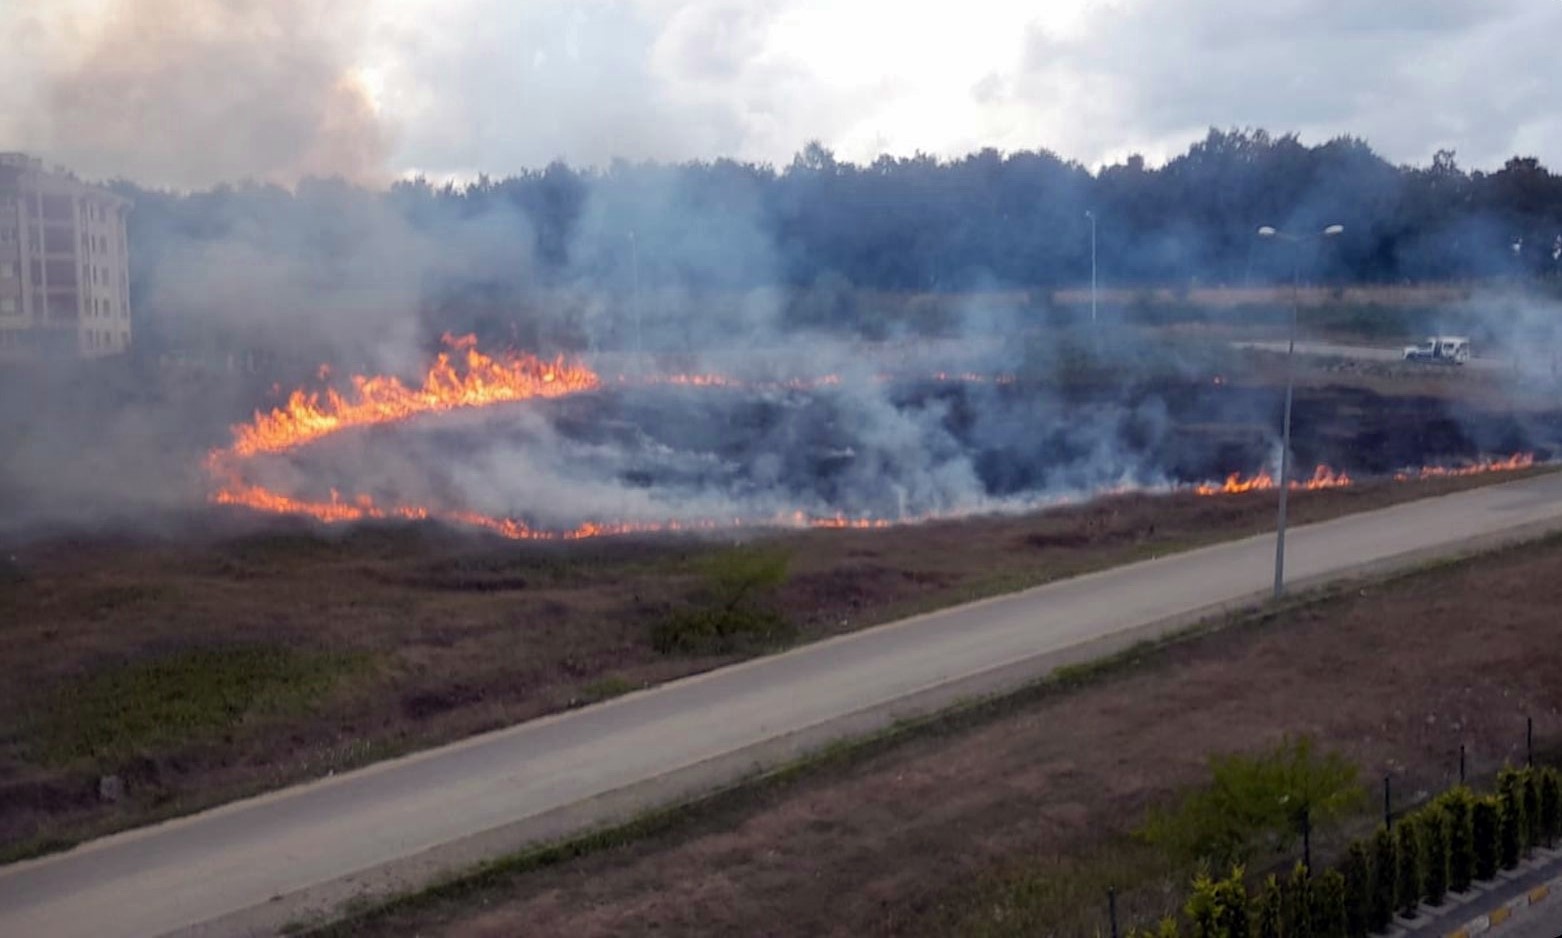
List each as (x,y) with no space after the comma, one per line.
(1296,241)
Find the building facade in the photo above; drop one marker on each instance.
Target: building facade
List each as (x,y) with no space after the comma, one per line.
(64,264)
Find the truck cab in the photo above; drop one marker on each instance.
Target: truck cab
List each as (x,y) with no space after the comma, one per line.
(1441,349)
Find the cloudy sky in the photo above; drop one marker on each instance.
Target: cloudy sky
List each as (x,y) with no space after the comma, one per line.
(191,92)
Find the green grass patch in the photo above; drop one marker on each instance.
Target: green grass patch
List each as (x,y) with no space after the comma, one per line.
(1066,894)
(180,698)
(606,688)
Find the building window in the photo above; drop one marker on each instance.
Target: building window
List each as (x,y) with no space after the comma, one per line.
(7,271)
(8,305)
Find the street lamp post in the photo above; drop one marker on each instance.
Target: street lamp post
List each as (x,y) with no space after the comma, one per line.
(634,274)
(1296,242)
(1092,217)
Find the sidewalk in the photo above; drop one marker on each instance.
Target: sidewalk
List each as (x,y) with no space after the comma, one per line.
(1517,897)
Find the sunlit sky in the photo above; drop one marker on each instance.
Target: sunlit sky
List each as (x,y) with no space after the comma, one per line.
(192,92)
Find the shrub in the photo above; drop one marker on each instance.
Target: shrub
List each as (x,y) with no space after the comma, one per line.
(1296,912)
(1461,849)
(1484,823)
(1381,908)
(1270,909)
(1328,905)
(1407,867)
(1232,899)
(1219,909)
(1166,929)
(1253,801)
(1510,826)
(1550,805)
(1434,854)
(1201,907)
(1532,823)
(732,604)
(1357,870)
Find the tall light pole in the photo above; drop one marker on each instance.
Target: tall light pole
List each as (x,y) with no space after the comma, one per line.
(1296,242)
(1092,217)
(634,297)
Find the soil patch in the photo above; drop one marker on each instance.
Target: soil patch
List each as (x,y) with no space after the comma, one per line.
(1015,826)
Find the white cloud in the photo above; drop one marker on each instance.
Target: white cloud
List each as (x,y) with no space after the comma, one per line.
(458,87)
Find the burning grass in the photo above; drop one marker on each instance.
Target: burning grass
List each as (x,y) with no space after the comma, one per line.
(205,670)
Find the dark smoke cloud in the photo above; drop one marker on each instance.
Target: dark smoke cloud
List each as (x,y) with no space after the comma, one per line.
(195,92)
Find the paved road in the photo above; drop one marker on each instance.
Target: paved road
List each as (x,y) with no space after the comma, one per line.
(1541,922)
(254,865)
(1532,365)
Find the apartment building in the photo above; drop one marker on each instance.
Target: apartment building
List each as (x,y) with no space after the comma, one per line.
(64,264)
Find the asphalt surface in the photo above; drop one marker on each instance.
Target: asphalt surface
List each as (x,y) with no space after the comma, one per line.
(1533,364)
(251,866)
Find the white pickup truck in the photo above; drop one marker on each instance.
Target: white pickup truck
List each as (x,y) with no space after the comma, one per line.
(1442,349)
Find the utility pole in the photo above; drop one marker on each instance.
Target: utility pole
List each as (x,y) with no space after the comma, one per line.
(1296,242)
(1092,216)
(634,273)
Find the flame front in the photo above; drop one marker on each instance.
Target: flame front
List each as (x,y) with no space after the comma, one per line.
(462,377)
(1322,478)
(480,381)
(1512,463)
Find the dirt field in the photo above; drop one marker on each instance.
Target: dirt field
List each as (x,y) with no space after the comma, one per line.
(1015,825)
(197,670)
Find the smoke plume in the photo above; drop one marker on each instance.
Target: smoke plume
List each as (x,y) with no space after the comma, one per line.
(193,92)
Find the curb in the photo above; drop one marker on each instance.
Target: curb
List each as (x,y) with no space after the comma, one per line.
(1482,924)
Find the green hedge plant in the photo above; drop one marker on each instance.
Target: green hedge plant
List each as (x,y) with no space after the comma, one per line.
(1328,905)
(1407,867)
(1550,806)
(1456,805)
(1434,854)
(1381,909)
(1485,822)
(1357,870)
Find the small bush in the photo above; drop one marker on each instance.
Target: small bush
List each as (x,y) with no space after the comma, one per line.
(1456,806)
(1296,909)
(1270,909)
(1357,871)
(1510,829)
(1219,909)
(1328,905)
(1231,893)
(1434,857)
(1255,801)
(1381,909)
(1484,824)
(1533,834)
(1550,805)
(732,606)
(1166,929)
(1407,867)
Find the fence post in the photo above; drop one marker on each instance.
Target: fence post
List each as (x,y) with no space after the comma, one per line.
(1388,811)
(1111,908)
(1461,763)
(1529,741)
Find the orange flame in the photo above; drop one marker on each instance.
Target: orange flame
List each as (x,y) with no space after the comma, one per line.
(1510,464)
(477,382)
(463,377)
(1322,478)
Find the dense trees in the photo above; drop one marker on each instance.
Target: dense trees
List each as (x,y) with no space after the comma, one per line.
(916,223)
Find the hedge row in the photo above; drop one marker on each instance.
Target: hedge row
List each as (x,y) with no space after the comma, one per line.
(1458,838)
